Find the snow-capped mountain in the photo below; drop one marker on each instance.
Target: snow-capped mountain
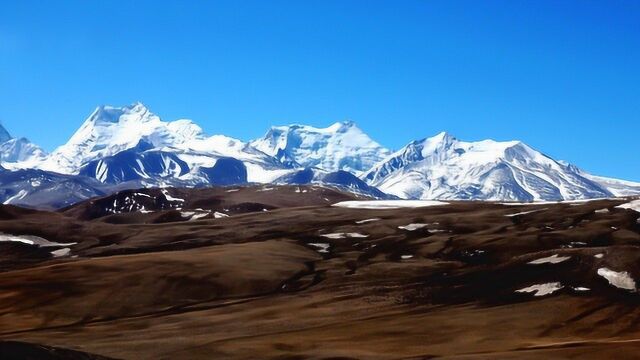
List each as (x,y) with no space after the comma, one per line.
(108,147)
(18,150)
(130,147)
(48,190)
(137,163)
(341,146)
(442,167)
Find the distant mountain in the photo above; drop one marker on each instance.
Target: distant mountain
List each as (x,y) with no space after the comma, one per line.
(340,179)
(443,167)
(131,147)
(341,146)
(48,190)
(138,163)
(108,147)
(18,150)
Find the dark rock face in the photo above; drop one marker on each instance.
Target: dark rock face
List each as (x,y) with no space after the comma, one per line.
(226,171)
(135,164)
(342,180)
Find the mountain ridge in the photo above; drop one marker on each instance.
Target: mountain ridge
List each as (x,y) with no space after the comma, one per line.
(132,145)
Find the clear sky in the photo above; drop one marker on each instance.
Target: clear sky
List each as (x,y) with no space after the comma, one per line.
(563,76)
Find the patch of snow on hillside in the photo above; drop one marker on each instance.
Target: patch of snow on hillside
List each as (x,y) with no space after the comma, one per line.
(322,247)
(32,240)
(388,204)
(61,252)
(344,235)
(553,259)
(542,289)
(367,220)
(619,279)
(19,196)
(632,205)
(168,196)
(525,212)
(412,227)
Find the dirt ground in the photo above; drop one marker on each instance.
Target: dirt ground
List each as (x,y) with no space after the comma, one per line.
(288,276)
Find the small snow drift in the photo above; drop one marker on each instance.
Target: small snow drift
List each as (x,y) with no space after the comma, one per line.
(632,205)
(388,204)
(525,212)
(553,259)
(365,221)
(32,240)
(413,227)
(619,279)
(321,247)
(542,289)
(344,235)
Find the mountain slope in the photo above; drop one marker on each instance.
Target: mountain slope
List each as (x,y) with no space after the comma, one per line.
(131,146)
(48,190)
(442,167)
(18,150)
(107,147)
(110,130)
(616,187)
(340,179)
(137,163)
(341,146)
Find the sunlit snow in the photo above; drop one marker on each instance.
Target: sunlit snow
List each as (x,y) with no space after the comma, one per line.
(553,259)
(525,212)
(32,240)
(542,289)
(619,279)
(322,247)
(412,227)
(633,205)
(388,204)
(168,196)
(344,235)
(367,220)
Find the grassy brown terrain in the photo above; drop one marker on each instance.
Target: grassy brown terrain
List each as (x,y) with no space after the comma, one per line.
(265,283)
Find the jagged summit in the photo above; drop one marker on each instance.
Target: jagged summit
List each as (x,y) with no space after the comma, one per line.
(340,146)
(111,114)
(442,167)
(18,150)
(109,130)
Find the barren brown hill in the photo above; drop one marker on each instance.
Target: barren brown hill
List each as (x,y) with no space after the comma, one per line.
(307,280)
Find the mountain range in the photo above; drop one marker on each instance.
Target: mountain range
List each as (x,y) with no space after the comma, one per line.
(130,147)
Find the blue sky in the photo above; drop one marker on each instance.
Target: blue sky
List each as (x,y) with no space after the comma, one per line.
(563,76)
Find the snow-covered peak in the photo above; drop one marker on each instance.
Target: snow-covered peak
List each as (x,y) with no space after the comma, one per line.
(110,130)
(442,167)
(341,146)
(135,142)
(340,126)
(18,152)
(110,114)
